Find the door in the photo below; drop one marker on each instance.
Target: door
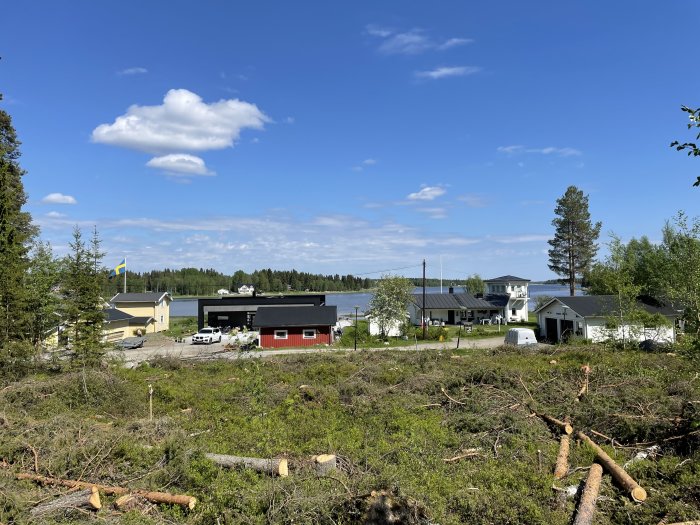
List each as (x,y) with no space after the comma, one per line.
(567,329)
(450,317)
(550,326)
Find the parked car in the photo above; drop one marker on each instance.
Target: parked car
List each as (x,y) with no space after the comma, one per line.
(207,336)
(129,343)
(520,337)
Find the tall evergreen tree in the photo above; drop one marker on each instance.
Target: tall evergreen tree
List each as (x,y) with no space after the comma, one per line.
(16,235)
(82,305)
(574,244)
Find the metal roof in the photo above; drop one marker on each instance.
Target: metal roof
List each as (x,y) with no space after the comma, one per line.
(506,279)
(605,305)
(147,297)
(281,316)
(453,301)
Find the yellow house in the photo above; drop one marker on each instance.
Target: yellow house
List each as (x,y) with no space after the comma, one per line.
(145,305)
(118,325)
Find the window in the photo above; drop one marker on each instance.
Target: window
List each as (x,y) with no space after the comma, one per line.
(280,334)
(310,333)
(161,318)
(513,311)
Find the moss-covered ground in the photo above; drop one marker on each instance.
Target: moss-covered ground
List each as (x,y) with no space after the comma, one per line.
(392,418)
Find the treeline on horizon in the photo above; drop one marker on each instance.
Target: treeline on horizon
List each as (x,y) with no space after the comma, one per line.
(199,281)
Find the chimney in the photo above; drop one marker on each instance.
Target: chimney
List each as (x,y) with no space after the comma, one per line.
(451,289)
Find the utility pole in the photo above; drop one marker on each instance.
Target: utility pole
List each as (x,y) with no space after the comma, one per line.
(425,328)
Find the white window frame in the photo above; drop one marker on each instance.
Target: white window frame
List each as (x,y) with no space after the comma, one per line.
(309,336)
(279,334)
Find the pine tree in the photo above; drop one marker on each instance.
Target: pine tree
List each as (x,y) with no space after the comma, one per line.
(82,308)
(574,244)
(16,235)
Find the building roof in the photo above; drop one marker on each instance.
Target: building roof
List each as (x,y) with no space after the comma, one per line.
(281,316)
(114,314)
(147,297)
(605,305)
(506,279)
(453,301)
(498,299)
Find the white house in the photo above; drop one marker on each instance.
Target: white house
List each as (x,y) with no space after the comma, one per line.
(451,308)
(511,294)
(246,289)
(590,316)
(392,330)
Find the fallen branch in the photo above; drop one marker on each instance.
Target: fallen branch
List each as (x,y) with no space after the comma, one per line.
(275,466)
(562,465)
(586,507)
(616,471)
(469,453)
(154,497)
(563,426)
(442,389)
(84,499)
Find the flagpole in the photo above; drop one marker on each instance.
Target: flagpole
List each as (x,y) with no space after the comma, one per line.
(125,274)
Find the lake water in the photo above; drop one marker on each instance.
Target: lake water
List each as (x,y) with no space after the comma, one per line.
(346,302)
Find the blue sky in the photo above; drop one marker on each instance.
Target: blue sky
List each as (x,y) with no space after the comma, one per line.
(348,137)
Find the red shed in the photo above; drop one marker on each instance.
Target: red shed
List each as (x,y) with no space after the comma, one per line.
(291,326)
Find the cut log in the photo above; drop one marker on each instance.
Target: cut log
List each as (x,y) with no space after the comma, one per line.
(83,499)
(562,466)
(616,471)
(586,507)
(130,502)
(562,425)
(274,466)
(154,497)
(325,463)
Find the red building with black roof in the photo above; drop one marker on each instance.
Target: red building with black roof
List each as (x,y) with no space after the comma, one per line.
(294,326)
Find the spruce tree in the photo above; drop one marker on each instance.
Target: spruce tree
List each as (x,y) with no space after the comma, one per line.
(574,244)
(16,235)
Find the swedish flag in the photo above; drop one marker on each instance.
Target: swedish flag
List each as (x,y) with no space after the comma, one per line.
(120,269)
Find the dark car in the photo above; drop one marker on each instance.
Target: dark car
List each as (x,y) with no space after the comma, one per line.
(130,343)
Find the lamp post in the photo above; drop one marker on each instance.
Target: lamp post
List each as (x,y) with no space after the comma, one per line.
(356,309)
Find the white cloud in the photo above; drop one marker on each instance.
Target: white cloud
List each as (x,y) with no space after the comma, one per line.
(133,71)
(369,162)
(515,239)
(454,42)
(473,200)
(434,213)
(410,43)
(182,122)
(180,163)
(374,30)
(549,150)
(55,215)
(289,120)
(446,72)
(427,193)
(59,198)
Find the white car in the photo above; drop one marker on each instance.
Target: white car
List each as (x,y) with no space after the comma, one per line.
(207,336)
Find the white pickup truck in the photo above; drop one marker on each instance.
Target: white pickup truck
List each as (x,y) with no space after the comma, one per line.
(207,336)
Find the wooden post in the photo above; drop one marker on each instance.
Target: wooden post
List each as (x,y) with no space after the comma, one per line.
(562,466)
(616,471)
(586,507)
(275,466)
(150,402)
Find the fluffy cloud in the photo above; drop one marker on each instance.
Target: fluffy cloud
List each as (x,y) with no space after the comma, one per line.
(133,71)
(182,123)
(180,163)
(549,150)
(434,213)
(446,72)
(454,42)
(59,198)
(427,193)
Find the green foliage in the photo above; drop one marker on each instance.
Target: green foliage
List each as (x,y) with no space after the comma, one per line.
(81,307)
(386,417)
(389,303)
(573,247)
(691,147)
(474,284)
(16,236)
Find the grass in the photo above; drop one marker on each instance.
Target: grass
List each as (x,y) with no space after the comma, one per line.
(383,413)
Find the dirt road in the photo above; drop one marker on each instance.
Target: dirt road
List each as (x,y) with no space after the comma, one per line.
(189,351)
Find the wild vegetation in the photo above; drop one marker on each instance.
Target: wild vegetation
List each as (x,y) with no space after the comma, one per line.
(448,437)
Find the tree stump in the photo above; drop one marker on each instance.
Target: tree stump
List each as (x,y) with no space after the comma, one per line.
(325,463)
